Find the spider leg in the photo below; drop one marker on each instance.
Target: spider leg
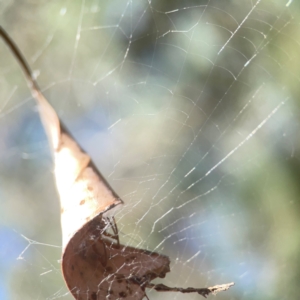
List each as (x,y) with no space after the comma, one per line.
(115,229)
(113,226)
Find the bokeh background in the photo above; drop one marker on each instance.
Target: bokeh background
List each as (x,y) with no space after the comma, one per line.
(191,111)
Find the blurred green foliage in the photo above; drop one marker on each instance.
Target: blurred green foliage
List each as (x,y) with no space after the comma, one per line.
(189,108)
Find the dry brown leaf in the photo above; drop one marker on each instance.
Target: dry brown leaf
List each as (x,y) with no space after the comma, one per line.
(95,265)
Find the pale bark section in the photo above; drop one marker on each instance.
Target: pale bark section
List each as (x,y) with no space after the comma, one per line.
(83,195)
(49,119)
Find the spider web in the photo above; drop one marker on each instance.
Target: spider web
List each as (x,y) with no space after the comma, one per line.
(188,108)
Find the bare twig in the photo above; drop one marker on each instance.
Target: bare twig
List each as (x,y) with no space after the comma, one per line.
(201,291)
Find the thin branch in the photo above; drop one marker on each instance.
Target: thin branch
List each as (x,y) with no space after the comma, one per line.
(21,59)
(201,291)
